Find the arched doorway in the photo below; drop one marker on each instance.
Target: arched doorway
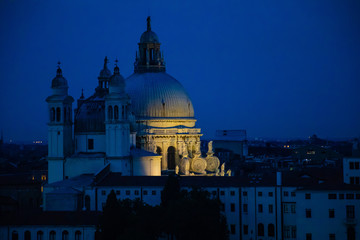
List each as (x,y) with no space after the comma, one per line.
(158,151)
(171,158)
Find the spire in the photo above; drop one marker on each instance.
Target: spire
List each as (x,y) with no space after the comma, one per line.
(148,23)
(58,71)
(105,62)
(116,68)
(82,94)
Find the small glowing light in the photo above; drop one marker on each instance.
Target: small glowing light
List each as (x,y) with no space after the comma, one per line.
(33,178)
(42,188)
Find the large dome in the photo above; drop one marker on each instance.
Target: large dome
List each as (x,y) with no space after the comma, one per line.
(158,95)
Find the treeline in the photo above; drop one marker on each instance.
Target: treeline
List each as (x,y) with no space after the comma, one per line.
(182,215)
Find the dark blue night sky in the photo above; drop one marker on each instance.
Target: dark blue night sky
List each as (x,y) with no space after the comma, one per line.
(279,69)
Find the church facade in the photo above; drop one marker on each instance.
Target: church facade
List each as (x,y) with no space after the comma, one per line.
(143,125)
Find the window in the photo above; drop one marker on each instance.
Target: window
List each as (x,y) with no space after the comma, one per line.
(260,208)
(352,180)
(117,192)
(293,194)
(65,116)
(153,192)
(331,213)
(77,235)
(116,112)
(244,194)
(65,235)
(286,208)
(287,231)
(14,235)
(357,196)
(245,208)
(136,192)
(27,235)
(293,231)
(308,213)
(307,196)
(52,235)
(232,207)
(270,194)
(222,193)
(127,192)
(332,236)
(349,196)
(232,229)
(286,193)
(260,194)
(40,235)
(356,165)
(103,192)
(232,193)
(271,230)
(58,114)
(260,229)
(90,143)
(110,113)
(271,208)
(341,196)
(350,211)
(214,193)
(145,192)
(332,196)
(246,229)
(52,114)
(293,209)
(308,236)
(351,165)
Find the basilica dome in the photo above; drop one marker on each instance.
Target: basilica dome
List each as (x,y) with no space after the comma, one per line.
(158,95)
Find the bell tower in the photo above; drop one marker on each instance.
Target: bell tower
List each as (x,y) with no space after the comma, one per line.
(117,125)
(60,143)
(149,58)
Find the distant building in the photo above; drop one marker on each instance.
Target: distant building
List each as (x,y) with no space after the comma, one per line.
(351,169)
(231,140)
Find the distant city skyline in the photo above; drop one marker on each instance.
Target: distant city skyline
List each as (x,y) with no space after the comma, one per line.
(282,70)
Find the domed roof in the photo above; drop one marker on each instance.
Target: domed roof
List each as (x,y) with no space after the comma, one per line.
(117,80)
(90,114)
(158,95)
(149,37)
(59,81)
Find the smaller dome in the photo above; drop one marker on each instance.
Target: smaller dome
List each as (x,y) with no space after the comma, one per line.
(105,72)
(149,37)
(59,81)
(117,82)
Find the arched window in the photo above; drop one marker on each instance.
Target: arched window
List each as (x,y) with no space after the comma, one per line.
(77,235)
(171,157)
(14,235)
(116,112)
(27,235)
(65,235)
(65,114)
(52,235)
(52,114)
(260,229)
(110,113)
(58,114)
(87,202)
(40,235)
(123,111)
(271,230)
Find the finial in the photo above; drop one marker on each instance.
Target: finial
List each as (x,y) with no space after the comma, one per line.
(116,69)
(148,23)
(82,94)
(105,61)
(58,71)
